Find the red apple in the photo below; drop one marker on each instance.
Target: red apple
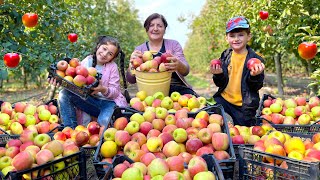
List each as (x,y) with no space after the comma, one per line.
(263,15)
(307,50)
(11,60)
(214,62)
(62,65)
(93,127)
(252,62)
(72,37)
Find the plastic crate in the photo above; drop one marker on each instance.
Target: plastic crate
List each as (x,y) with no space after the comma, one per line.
(5,137)
(293,129)
(71,171)
(255,167)
(91,170)
(82,92)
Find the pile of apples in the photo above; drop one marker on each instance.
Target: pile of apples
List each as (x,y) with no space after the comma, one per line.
(42,118)
(248,135)
(33,149)
(156,134)
(282,144)
(75,73)
(150,64)
(172,168)
(82,136)
(172,103)
(292,111)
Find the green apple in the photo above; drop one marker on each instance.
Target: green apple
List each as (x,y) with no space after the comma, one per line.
(180,135)
(202,100)
(109,134)
(132,173)
(44,115)
(30,109)
(58,166)
(175,96)
(161,113)
(5,161)
(158,95)
(7,169)
(141,95)
(137,117)
(208,175)
(132,127)
(31,120)
(193,103)
(41,139)
(4,119)
(167,103)
(149,100)
(54,118)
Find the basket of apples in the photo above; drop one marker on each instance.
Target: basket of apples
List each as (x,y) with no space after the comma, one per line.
(78,79)
(151,73)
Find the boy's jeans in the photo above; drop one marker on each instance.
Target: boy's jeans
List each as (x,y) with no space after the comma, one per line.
(100,108)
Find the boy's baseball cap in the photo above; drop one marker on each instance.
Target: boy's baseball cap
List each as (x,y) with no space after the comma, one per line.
(237,22)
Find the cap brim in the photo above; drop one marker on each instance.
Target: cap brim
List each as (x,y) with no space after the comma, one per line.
(246,26)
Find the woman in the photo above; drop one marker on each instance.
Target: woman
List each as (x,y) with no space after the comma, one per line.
(155,26)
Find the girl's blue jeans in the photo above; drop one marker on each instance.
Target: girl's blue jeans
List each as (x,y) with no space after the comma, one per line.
(103,109)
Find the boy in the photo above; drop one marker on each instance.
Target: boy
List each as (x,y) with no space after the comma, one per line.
(238,86)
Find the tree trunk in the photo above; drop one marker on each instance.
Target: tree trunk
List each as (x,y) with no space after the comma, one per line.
(24,74)
(313,89)
(1,83)
(277,63)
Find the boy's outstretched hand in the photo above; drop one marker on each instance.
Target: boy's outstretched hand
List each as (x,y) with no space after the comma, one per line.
(257,69)
(216,69)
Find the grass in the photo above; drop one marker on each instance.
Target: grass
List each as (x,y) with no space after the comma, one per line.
(197,82)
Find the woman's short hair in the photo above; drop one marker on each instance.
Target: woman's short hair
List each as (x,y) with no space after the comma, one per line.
(153,16)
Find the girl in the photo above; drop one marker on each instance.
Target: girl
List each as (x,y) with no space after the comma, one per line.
(106,95)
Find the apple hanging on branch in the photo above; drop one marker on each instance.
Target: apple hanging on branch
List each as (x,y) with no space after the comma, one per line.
(307,50)
(30,20)
(263,15)
(72,37)
(11,60)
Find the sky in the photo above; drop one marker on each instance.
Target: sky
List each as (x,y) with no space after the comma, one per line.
(171,9)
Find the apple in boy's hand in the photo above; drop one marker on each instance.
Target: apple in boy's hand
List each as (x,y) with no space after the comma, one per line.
(251,63)
(215,62)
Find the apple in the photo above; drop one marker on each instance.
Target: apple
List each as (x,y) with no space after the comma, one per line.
(54,119)
(204,150)
(4,119)
(30,20)
(19,106)
(216,118)
(62,65)
(304,119)
(153,133)
(30,109)
(234,131)
(208,175)
(313,101)
(147,55)
(93,127)
(43,127)
(90,80)
(132,127)
(109,134)
(44,115)
(22,161)
(278,135)
(173,175)
(13,142)
(220,141)
(252,62)
(108,149)
(145,127)
(167,103)
(276,107)
(41,139)
(164,57)
(130,147)
(158,167)
(221,155)
(72,37)
(215,62)
(294,144)
(175,163)
(120,123)
(171,149)
(79,80)
(307,50)
(16,128)
(158,95)
(71,71)
(81,138)
(180,135)
(137,61)
(141,95)
(316,138)
(12,151)
(59,136)
(156,103)
(170,119)
(184,123)
(205,135)
(139,138)
(133,100)
(149,100)
(161,113)
(193,103)
(154,144)
(44,156)
(275,150)
(119,169)
(263,15)
(196,165)
(258,130)
(5,161)
(11,60)
(149,116)
(192,145)
(253,139)
(175,96)
(6,108)
(267,102)
(147,158)
(238,139)
(138,105)
(27,135)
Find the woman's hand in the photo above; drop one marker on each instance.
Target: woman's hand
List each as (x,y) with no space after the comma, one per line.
(99,88)
(216,69)
(257,69)
(135,54)
(173,64)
